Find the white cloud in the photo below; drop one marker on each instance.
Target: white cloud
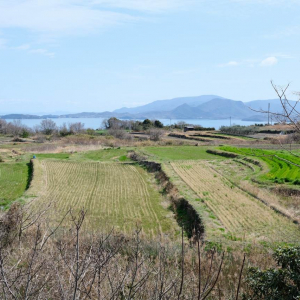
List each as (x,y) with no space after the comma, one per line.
(281,55)
(270,61)
(27,48)
(42,52)
(230,64)
(57,17)
(286,32)
(23,47)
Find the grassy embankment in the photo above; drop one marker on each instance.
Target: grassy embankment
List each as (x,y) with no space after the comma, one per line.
(178,153)
(15,175)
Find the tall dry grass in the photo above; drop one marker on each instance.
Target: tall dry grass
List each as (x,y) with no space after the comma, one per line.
(42,261)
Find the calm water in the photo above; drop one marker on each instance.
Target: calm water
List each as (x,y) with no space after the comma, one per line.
(96,123)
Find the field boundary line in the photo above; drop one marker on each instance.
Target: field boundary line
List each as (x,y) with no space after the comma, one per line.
(177,201)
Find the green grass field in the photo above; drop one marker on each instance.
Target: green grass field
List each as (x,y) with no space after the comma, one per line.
(109,154)
(53,155)
(103,155)
(279,171)
(13,181)
(179,153)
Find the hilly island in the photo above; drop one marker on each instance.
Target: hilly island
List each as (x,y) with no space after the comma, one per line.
(202,107)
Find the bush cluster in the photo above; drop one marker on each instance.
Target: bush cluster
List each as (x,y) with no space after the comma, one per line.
(114,123)
(238,130)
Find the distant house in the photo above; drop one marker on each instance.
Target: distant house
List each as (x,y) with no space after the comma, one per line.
(188,128)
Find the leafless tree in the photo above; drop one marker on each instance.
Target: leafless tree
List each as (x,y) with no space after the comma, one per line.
(76,127)
(48,126)
(3,126)
(64,261)
(289,115)
(120,134)
(155,134)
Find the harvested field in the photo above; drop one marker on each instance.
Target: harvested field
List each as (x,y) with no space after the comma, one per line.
(244,218)
(115,195)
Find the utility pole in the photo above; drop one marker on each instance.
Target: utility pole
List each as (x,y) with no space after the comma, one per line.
(269,114)
(230,121)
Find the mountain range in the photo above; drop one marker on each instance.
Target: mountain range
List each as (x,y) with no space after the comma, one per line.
(201,107)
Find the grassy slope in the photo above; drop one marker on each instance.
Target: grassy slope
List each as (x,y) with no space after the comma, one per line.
(15,173)
(54,155)
(13,181)
(102,155)
(179,153)
(111,154)
(280,171)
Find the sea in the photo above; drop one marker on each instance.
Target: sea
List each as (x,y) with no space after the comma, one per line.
(96,123)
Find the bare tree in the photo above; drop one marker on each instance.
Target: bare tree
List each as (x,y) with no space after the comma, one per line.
(48,126)
(289,114)
(76,127)
(65,261)
(155,134)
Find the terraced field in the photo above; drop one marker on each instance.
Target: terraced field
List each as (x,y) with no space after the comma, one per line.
(243,217)
(283,167)
(179,153)
(115,195)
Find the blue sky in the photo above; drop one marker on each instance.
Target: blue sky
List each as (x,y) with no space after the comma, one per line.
(97,55)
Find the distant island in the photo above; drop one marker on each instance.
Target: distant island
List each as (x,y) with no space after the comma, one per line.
(201,107)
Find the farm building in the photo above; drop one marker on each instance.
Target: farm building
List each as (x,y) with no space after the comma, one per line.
(188,128)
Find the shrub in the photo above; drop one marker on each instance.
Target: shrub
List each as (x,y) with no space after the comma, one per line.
(281,283)
(158,124)
(25,133)
(91,131)
(120,134)
(238,130)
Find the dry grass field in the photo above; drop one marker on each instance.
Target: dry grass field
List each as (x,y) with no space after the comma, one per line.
(116,195)
(243,217)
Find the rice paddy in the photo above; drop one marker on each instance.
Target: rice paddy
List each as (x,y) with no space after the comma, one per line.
(243,217)
(283,167)
(115,195)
